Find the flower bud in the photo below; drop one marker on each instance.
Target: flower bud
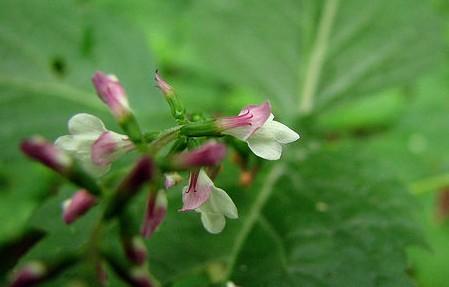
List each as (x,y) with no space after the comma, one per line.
(30,274)
(135,249)
(48,154)
(112,94)
(155,213)
(140,277)
(172,179)
(166,89)
(211,153)
(250,119)
(77,206)
(110,146)
(53,157)
(176,106)
(139,175)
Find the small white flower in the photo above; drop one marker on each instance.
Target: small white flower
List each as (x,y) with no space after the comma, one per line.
(266,142)
(212,202)
(92,144)
(256,126)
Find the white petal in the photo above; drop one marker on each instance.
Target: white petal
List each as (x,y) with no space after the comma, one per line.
(214,223)
(242,133)
(203,179)
(264,147)
(85,123)
(223,203)
(281,132)
(67,143)
(91,168)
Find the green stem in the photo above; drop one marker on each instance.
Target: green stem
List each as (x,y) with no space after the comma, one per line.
(253,215)
(165,138)
(318,56)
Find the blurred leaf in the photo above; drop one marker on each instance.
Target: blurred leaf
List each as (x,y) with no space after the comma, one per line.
(417,149)
(329,216)
(275,48)
(365,114)
(49,51)
(417,146)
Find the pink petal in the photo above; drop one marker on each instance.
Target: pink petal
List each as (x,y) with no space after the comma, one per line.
(111,93)
(78,205)
(208,154)
(155,213)
(247,122)
(198,191)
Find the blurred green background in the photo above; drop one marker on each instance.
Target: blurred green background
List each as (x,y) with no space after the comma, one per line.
(358,201)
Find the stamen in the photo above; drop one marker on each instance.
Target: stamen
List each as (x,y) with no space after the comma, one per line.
(193,181)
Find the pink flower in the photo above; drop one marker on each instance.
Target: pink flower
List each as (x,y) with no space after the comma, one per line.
(208,154)
(213,203)
(108,147)
(48,154)
(112,94)
(92,144)
(247,122)
(155,213)
(77,206)
(255,125)
(197,192)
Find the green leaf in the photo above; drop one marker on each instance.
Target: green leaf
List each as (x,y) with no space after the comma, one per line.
(301,229)
(49,52)
(307,54)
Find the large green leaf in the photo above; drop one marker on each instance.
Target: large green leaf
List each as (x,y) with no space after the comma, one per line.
(337,218)
(305,54)
(335,223)
(49,51)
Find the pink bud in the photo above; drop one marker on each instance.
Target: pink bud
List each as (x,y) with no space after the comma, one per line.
(140,277)
(108,147)
(112,94)
(135,249)
(141,173)
(198,190)
(208,154)
(172,179)
(30,274)
(47,153)
(247,122)
(162,84)
(77,206)
(155,213)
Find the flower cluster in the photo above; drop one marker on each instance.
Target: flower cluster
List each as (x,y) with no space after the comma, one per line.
(86,154)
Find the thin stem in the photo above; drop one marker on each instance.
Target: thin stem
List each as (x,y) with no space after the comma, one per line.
(253,215)
(318,56)
(165,138)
